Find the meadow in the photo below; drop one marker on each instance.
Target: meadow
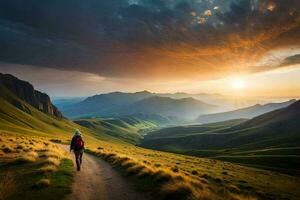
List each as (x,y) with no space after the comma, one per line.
(46,168)
(33,168)
(195,178)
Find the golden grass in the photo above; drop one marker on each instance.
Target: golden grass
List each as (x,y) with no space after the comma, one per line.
(48,169)
(22,150)
(52,161)
(25,159)
(42,183)
(205,178)
(176,190)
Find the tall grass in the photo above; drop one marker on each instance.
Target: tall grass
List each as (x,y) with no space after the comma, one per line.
(23,150)
(170,185)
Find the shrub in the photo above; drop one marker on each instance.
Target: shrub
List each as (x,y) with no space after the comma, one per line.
(161,176)
(42,183)
(194,172)
(19,146)
(225,173)
(48,169)
(144,173)
(54,153)
(52,161)
(175,169)
(157,165)
(25,159)
(135,169)
(56,140)
(176,190)
(7,149)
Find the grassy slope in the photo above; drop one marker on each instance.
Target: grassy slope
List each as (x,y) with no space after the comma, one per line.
(128,128)
(170,173)
(33,168)
(189,130)
(248,112)
(34,122)
(275,134)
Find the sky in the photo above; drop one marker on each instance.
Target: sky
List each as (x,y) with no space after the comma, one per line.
(80,48)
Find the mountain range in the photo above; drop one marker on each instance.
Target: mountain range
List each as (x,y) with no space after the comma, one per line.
(246,113)
(270,140)
(272,128)
(25,110)
(118,103)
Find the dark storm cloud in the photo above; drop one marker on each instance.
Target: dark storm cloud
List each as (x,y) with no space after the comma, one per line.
(144,37)
(292,60)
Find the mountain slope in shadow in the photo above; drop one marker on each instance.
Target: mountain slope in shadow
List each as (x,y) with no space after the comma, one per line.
(118,103)
(246,113)
(274,135)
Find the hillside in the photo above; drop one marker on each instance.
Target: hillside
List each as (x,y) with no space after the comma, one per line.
(27,93)
(117,103)
(246,113)
(18,116)
(128,128)
(103,104)
(194,129)
(276,134)
(186,108)
(63,103)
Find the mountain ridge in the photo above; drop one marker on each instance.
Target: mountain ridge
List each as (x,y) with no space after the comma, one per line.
(245,113)
(119,103)
(274,127)
(25,91)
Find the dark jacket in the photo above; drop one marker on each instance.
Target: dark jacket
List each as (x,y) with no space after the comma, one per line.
(72,146)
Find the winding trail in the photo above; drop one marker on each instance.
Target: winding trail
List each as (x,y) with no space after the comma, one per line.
(97,180)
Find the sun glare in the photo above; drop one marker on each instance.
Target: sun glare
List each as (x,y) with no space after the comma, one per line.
(238,83)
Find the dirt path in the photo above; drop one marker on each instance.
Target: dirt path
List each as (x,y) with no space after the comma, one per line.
(98,181)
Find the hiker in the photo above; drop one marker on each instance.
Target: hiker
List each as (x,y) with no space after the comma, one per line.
(77,145)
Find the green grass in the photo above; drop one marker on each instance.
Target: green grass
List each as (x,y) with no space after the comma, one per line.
(30,121)
(130,128)
(27,176)
(20,174)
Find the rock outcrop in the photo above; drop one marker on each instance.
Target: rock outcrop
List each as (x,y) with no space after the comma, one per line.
(25,91)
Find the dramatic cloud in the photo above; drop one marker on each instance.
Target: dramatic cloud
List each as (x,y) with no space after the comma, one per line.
(149,38)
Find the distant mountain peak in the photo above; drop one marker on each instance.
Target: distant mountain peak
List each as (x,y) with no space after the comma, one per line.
(143,92)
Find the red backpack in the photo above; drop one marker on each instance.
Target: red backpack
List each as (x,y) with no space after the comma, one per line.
(78,143)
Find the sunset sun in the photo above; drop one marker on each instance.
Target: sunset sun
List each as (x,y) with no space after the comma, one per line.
(238,83)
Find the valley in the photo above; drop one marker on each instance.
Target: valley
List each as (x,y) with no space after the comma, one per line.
(159,173)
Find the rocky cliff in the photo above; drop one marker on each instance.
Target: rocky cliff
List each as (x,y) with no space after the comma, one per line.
(26,92)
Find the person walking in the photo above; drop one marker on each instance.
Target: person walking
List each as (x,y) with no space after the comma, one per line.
(77,145)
